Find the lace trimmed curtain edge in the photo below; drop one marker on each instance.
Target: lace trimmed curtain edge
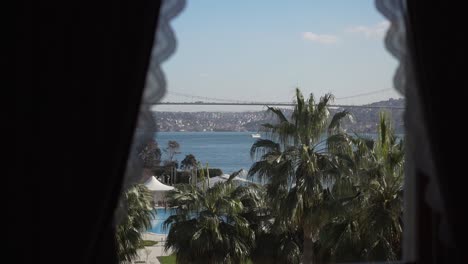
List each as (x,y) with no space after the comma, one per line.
(155,88)
(418,154)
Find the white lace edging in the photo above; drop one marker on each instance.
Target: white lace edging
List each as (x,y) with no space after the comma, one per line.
(155,88)
(418,153)
(395,39)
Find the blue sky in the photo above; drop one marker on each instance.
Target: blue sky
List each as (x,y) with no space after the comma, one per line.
(261,50)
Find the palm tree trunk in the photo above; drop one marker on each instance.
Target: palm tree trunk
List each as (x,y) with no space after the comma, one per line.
(308,256)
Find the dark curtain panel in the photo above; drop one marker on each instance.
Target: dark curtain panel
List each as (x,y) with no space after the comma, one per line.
(80,73)
(437,34)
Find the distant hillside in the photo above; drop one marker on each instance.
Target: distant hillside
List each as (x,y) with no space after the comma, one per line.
(365,119)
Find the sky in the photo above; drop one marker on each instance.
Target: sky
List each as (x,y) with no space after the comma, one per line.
(260,50)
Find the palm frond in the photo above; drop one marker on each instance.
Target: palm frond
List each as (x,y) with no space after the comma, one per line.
(335,123)
(262,146)
(278,113)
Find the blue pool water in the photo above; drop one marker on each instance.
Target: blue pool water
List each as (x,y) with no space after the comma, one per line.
(161,215)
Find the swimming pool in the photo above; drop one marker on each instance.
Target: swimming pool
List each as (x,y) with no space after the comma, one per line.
(161,215)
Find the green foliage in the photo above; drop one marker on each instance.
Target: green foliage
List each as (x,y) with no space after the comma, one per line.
(189,162)
(171,259)
(160,170)
(171,164)
(277,248)
(210,225)
(368,227)
(343,192)
(172,149)
(183,176)
(212,172)
(148,243)
(137,202)
(150,154)
(296,167)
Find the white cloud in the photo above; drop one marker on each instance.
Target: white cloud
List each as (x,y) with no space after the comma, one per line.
(375,31)
(203,75)
(320,38)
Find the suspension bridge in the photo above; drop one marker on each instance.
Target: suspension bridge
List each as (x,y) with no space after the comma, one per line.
(204,100)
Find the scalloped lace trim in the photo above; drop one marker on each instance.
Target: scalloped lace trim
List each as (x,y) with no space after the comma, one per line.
(155,88)
(418,157)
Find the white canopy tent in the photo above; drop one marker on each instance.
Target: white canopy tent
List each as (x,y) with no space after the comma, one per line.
(225,177)
(154,185)
(158,189)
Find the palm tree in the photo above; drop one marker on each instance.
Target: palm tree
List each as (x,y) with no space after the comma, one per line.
(210,225)
(297,167)
(277,245)
(273,243)
(137,203)
(369,228)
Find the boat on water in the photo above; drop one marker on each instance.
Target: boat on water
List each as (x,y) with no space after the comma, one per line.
(256,135)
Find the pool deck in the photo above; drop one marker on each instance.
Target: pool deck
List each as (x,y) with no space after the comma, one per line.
(149,254)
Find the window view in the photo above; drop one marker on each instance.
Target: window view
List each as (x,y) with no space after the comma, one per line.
(280,140)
